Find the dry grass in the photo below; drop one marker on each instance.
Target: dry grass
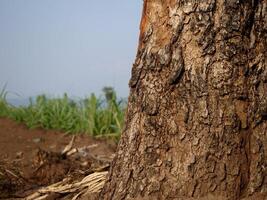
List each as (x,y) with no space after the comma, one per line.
(92,183)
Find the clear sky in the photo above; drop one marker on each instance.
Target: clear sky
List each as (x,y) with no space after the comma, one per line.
(73,46)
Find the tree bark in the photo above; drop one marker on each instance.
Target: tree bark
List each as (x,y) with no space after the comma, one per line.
(196,125)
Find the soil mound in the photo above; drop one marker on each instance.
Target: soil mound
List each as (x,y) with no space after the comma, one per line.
(31,159)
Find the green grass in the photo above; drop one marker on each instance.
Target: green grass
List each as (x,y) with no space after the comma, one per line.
(93,115)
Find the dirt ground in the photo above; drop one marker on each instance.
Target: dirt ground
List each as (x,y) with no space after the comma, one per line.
(31,159)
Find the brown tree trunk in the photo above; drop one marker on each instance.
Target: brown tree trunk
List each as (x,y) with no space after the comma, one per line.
(196,125)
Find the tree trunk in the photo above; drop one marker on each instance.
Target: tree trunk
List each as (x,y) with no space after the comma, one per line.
(196,125)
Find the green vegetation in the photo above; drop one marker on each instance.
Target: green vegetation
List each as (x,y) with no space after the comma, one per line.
(94,116)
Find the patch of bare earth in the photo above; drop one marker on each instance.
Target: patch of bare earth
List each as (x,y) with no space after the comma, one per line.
(30,160)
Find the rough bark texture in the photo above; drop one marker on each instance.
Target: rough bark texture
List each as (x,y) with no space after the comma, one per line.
(196,125)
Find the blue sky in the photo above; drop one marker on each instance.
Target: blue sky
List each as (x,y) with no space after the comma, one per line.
(73,46)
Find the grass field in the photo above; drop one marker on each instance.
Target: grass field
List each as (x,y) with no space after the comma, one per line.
(96,116)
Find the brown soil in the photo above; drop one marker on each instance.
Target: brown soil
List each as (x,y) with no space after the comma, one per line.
(30,159)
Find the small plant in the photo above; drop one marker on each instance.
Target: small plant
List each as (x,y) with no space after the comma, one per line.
(3,102)
(95,116)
